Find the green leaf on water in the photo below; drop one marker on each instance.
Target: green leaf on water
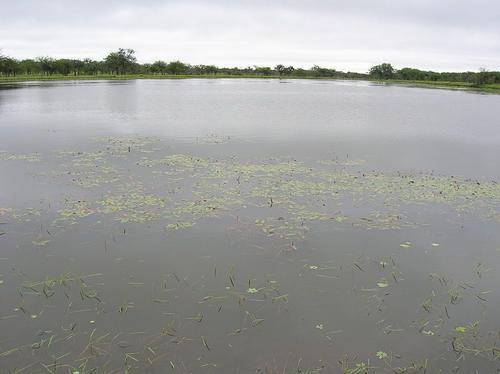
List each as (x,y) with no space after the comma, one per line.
(382,284)
(179,225)
(381,355)
(461,329)
(40,242)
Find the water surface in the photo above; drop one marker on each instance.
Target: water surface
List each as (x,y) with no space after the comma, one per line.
(243,226)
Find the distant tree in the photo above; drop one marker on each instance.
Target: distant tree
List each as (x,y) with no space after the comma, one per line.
(354,75)
(318,71)
(143,68)
(208,69)
(177,67)
(158,67)
(204,69)
(29,67)
(284,70)
(91,67)
(121,61)
(299,72)
(47,65)
(382,71)
(229,71)
(410,74)
(288,70)
(63,66)
(263,70)
(483,77)
(78,66)
(9,65)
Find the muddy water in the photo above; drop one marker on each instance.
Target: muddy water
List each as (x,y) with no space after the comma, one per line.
(242,226)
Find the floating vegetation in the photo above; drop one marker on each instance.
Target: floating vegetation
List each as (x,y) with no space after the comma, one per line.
(275,250)
(213,139)
(461,329)
(179,225)
(76,209)
(5,211)
(26,214)
(30,157)
(196,187)
(131,143)
(382,284)
(381,355)
(132,206)
(40,243)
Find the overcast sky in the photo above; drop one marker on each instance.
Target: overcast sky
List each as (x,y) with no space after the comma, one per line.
(347,35)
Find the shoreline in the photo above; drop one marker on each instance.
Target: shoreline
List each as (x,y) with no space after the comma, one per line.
(488,88)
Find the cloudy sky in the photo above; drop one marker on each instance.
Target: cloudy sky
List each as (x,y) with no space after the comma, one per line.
(351,35)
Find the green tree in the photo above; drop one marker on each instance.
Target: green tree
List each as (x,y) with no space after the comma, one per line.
(29,67)
(284,70)
(318,71)
(91,67)
(263,70)
(382,71)
(78,66)
(204,69)
(64,66)
(159,67)
(299,72)
(47,65)
(9,66)
(411,74)
(483,77)
(121,62)
(177,67)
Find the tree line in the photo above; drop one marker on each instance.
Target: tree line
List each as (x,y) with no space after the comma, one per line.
(123,61)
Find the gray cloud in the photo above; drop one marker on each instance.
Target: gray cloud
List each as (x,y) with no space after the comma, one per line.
(347,35)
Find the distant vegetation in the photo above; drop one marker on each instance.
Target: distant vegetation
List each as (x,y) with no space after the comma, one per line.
(123,62)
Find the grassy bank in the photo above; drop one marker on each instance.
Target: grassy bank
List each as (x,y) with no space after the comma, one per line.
(489,88)
(59,77)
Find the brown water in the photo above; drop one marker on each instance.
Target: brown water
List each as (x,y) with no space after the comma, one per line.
(248,226)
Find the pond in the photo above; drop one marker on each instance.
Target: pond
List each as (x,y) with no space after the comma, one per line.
(248,226)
